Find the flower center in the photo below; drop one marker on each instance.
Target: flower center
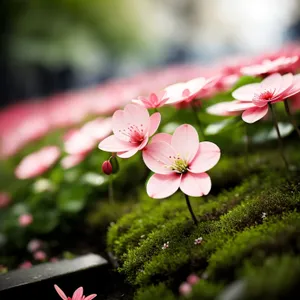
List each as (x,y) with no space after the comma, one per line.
(134,133)
(264,96)
(179,165)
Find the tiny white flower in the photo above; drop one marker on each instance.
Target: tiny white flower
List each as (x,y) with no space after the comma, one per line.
(165,246)
(263,215)
(198,241)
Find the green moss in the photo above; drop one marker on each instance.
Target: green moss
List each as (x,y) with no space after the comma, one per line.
(155,292)
(205,290)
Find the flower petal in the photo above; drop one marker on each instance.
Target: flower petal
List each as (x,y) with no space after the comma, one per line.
(207,157)
(119,124)
(60,292)
(162,186)
(162,137)
(195,85)
(157,156)
(272,82)
(113,144)
(254,114)
(195,185)
(154,123)
(295,89)
(128,154)
(78,294)
(136,115)
(238,106)
(185,141)
(90,297)
(175,93)
(246,92)
(221,109)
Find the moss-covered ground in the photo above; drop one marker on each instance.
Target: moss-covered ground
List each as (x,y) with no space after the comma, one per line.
(250,232)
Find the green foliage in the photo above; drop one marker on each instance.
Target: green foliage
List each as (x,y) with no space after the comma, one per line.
(155,292)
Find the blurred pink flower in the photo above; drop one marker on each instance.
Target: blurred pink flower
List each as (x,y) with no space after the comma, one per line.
(34,245)
(253,98)
(71,161)
(180,161)
(192,279)
(280,64)
(40,255)
(5,199)
(221,109)
(153,101)
(78,143)
(185,289)
(78,294)
(37,163)
(25,220)
(25,265)
(132,128)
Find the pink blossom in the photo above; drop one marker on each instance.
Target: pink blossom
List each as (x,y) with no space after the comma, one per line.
(132,128)
(185,289)
(78,294)
(40,255)
(280,64)
(25,220)
(192,279)
(25,265)
(221,109)
(187,91)
(34,245)
(180,161)
(37,163)
(254,98)
(71,161)
(5,199)
(153,101)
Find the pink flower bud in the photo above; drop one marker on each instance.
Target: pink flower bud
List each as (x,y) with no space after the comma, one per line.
(107,167)
(40,255)
(4,199)
(25,220)
(185,289)
(25,265)
(192,279)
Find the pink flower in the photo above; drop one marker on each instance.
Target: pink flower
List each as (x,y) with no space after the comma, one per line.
(107,167)
(254,98)
(281,64)
(180,161)
(25,265)
(37,163)
(185,289)
(154,100)
(187,91)
(34,245)
(78,294)
(40,255)
(221,109)
(71,161)
(4,199)
(25,220)
(192,279)
(132,128)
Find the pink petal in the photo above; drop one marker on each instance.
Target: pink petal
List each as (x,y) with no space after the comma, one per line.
(136,115)
(113,144)
(118,124)
(72,160)
(272,83)
(295,89)
(185,141)
(195,185)
(221,109)
(140,101)
(157,156)
(287,83)
(60,292)
(207,157)
(162,186)
(246,92)
(97,129)
(90,297)
(253,70)
(162,137)
(128,154)
(237,106)
(143,143)
(78,294)
(175,93)
(154,123)
(195,85)
(254,114)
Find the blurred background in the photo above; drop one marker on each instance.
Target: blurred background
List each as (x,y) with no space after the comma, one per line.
(51,46)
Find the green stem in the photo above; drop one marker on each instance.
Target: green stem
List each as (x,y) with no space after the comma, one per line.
(280,142)
(291,118)
(111,190)
(190,209)
(247,145)
(201,133)
(155,109)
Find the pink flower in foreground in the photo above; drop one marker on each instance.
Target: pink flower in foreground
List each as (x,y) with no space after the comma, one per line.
(132,128)
(25,220)
(180,161)
(4,199)
(187,91)
(281,64)
(254,98)
(153,101)
(37,163)
(25,265)
(78,294)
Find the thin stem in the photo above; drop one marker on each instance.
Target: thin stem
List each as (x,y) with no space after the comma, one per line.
(111,190)
(291,118)
(280,142)
(247,145)
(190,209)
(201,133)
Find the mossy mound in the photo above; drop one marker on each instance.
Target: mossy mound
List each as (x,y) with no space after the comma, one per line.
(247,229)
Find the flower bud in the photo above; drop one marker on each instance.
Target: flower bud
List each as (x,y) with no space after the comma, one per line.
(107,167)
